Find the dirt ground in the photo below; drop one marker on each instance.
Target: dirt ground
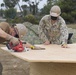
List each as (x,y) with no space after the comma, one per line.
(13,65)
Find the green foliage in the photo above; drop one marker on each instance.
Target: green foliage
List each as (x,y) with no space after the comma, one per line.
(9,20)
(2,4)
(10,3)
(45,10)
(10,13)
(68,7)
(15,20)
(33,5)
(25,0)
(18,20)
(31,18)
(1,12)
(24,7)
(68,18)
(73,13)
(24,12)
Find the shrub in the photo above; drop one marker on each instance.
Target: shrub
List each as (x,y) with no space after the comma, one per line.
(10,13)
(73,13)
(31,18)
(17,20)
(68,18)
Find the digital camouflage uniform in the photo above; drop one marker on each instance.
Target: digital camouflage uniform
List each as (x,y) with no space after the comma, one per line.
(6,28)
(56,33)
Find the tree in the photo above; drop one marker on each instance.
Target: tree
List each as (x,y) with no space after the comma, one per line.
(2,4)
(68,10)
(11,3)
(1,13)
(33,5)
(24,7)
(10,13)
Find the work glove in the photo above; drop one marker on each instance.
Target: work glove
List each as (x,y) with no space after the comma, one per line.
(64,46)
(13,40)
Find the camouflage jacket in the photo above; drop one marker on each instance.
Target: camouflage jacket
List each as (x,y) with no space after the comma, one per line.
(56,33)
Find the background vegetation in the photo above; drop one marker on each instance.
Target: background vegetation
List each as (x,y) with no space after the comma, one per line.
(68,8)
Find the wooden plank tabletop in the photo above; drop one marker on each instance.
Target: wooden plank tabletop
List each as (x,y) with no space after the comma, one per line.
(52,53)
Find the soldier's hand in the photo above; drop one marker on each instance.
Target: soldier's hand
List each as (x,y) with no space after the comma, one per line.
(14,41)
(64,46)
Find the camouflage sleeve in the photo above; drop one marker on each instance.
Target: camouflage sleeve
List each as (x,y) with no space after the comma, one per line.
(64,32)
(41,31)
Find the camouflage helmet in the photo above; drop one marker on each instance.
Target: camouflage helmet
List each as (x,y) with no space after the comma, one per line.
(55,11)
(22,30)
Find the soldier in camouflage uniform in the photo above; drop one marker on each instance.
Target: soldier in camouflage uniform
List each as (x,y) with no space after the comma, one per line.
(7,33)
(53,29)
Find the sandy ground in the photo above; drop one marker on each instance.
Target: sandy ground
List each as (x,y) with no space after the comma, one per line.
(13,65)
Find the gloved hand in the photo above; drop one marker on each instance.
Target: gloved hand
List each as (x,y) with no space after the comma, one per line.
(64,46)
(13,40)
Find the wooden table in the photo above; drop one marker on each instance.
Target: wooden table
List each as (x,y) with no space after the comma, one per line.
(52,61)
